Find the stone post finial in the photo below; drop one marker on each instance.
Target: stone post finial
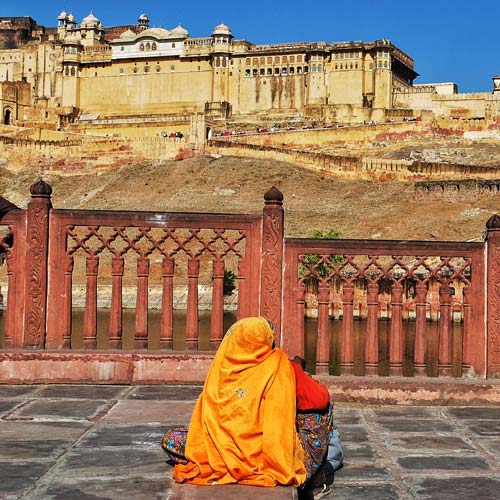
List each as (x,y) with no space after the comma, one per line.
(273,196)
(40,189)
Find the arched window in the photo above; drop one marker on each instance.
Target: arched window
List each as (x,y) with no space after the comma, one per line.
(173,45)
(153,46)
(148,46)
(141,47)
(72,71)
(255,72)
(247,72)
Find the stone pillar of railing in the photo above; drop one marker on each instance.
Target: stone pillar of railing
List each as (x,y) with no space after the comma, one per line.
(37,238)
(493,296)
(272,259)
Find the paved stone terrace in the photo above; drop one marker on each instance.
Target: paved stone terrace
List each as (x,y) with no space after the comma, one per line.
(102,442)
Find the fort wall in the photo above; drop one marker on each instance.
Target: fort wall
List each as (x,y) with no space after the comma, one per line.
(351,167)
(458,190)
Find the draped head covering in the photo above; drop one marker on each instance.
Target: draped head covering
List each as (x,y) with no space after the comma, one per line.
(243,425)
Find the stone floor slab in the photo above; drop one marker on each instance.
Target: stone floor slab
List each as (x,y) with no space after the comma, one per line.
(18,391)
(362,471)
(83,391)
(425,442)
(353,434)
(485,428)
(406,412)
(41,431)
(115,461)
(32,450)
(476,413)
(232,491)
(414,425)
(134,487)
(458,488)
(363,452)
(16,477)
(161,412)
(55,409)
(167,392)
(364,492)
(124,435)
(432,463)
(7,406)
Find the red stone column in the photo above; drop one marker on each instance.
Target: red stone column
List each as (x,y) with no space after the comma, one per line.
(323,347)
(493,297)
(467,335)
(444,324)
(371,348)
(396,340)
(116,313)
(217,319)
(36,258)
(192,329)
(67,311)
(90,321)
(348,328)
(167,305)
(8,342)
(420,324)
(272,259)
(141,306)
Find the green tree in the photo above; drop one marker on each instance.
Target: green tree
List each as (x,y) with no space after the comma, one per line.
(311,260)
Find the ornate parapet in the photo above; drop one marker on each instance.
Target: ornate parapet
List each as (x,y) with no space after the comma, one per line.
(493,294)
(37,237)
(272,259)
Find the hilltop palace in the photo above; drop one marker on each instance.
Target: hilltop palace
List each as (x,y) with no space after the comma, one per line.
(81,74)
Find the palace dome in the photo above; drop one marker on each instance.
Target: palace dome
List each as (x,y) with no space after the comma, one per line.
(90,21)
(180,31)
(62,16)
(127,35)
(222,29)
(143,17)
(71,19)
(155,33)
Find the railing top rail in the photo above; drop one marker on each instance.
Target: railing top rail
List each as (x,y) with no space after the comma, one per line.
(12,216)
(386,247)
(154,219)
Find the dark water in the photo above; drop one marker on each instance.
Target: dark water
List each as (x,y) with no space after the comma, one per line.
(154,318)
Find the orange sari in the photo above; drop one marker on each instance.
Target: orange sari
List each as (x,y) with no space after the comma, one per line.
(243,425)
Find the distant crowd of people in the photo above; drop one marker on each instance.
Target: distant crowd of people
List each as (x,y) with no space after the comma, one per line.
(172,135)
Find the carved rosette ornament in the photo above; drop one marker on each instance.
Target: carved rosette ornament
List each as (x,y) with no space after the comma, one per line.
(493,277)
(36,256)
(272,258)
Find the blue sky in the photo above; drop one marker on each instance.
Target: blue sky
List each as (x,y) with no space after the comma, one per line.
(449,40)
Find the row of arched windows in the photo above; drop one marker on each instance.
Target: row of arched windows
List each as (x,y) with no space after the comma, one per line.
(147,46)
(256,61)
(277,71)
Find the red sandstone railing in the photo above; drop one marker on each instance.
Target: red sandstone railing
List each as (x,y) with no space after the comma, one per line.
(402,276)
(419,289)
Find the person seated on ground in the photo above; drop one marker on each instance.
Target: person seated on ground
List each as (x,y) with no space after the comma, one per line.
(243,429)
(314,422)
